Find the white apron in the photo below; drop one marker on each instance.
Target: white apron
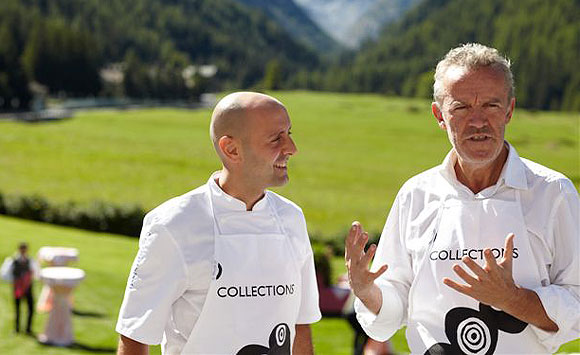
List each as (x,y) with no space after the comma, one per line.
(254,297)
(444,321)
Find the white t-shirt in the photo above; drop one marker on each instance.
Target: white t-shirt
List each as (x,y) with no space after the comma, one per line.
(551,211)
(172,271)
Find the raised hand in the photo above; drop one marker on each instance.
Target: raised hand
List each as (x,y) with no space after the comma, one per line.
(360,278)
(493,284)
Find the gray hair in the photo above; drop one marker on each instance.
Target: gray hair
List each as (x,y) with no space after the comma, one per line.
(472,56)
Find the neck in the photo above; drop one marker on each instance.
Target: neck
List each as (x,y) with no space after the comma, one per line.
(478,177)
(236,187)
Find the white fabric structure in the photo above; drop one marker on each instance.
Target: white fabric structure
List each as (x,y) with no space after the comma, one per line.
(61,280)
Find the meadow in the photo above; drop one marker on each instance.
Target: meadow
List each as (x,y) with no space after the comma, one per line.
(355,151)
(107,259)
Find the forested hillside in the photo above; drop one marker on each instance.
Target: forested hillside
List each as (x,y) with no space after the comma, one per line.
(62,44)
(542,38)
(297,23)
(352,22)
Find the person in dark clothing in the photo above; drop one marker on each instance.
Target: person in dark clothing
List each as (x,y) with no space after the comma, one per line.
(21,269)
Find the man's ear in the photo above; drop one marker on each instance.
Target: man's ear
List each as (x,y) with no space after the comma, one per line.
(438,115)
(229,148)
(510,110)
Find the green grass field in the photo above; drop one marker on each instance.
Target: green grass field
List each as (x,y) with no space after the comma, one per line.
(107,260)
(355,151)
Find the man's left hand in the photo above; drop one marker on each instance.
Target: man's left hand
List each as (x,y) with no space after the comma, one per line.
(493,284)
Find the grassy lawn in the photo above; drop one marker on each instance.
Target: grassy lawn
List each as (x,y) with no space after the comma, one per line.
(106,260)
(355,151)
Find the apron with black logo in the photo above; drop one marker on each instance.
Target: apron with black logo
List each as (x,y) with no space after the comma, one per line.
(254,298)
(444,321)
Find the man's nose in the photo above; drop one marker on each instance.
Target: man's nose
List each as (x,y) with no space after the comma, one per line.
(477,118)
(290,147)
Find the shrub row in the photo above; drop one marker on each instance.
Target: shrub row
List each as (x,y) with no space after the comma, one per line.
(96,216)
(101,216)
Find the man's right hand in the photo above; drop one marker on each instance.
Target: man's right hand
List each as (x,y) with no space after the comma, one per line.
(360,278)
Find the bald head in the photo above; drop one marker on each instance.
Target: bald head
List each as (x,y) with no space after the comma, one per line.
(232,114)
(251,135)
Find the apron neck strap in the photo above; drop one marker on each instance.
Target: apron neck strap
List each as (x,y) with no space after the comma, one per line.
(270,203)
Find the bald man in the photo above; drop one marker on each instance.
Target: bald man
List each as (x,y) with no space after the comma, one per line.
(227,268)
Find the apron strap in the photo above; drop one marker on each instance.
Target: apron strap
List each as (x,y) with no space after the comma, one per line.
(271,206)
(437,221)
(274,214)
(216,228)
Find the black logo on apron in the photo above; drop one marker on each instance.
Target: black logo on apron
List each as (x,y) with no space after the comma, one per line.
(472,332)
(279,343)
(219,271)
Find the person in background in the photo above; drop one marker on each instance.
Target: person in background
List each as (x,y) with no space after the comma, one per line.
(227,268)
(21,270)
(482,250)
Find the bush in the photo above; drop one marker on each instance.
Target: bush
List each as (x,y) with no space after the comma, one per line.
(101,216)
(28,207)
(2,207)
(322,256)
(97,216)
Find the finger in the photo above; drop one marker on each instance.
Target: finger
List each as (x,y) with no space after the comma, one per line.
(375,275)
(466,290)
(509,251)
(359,246)
(473,266)
(464,275)
(370,254)
(352,233)
(490,262)
(357,233)
(350,239)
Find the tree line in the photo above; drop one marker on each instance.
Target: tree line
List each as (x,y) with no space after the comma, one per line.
(64,45)
(542,39)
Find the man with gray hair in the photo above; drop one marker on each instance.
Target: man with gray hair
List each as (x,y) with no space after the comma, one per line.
(482,250)
(227,268)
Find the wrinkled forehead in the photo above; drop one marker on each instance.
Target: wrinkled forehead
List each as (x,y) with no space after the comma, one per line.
(459,82)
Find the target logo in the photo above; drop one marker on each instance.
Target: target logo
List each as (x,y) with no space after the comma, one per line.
(281,334)
(473,336)
(279,343)
(473,332)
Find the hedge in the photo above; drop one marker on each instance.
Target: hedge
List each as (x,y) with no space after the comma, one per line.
(126,220)
(97,216)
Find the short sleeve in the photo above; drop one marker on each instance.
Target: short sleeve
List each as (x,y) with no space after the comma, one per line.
(6,270)
(309,303)
(158,277)
(309,306)
(35,268)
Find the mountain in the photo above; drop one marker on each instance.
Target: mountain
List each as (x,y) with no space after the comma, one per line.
(49,39)
(541,38)
(350,22)
(296,22)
